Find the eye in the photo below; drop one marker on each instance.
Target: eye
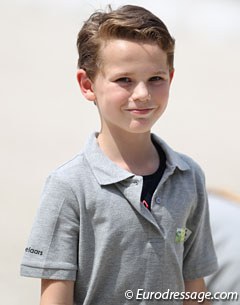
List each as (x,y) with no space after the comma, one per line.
(123,80)
(156,79)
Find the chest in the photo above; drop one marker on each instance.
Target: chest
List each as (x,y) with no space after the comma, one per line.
(116,210)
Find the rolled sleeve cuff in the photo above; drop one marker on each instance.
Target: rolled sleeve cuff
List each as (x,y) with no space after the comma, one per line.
(54,274)
(200,271)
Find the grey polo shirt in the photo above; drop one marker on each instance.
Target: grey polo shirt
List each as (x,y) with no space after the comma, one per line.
(92,228)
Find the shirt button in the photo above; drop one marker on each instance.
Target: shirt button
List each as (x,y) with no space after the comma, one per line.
(158,199)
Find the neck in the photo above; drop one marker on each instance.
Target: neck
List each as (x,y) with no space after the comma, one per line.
(132,151)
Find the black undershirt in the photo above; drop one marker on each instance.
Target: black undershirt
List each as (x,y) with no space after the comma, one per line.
(150,182)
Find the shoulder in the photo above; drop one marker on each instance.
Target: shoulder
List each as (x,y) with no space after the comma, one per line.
(195,177)
(194,166)
(71,169)
(68,177)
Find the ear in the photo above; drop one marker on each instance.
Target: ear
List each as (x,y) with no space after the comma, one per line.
(171,74)
(85,85)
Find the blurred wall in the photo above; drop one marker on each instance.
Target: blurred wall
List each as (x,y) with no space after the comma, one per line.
(44,120)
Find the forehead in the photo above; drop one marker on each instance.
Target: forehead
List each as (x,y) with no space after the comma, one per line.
(118,52)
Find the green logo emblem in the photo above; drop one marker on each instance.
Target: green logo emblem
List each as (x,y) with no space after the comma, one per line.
(180,235)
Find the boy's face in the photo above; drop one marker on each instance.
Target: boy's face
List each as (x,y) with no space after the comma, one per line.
(131,88)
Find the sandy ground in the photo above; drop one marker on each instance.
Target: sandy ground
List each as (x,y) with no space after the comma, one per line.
(44,120)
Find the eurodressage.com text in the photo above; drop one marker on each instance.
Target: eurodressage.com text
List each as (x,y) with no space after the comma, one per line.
(200,297)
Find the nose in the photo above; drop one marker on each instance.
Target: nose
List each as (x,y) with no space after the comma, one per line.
(140,93)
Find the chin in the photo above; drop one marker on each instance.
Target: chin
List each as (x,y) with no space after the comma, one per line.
(140,127)
(139,130)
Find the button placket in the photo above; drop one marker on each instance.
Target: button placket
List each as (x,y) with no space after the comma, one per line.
(158,210)
(131,191)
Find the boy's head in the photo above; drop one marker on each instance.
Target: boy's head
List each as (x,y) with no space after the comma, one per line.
(129,22)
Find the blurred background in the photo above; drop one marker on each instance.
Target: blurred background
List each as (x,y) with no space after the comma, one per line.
(44,120)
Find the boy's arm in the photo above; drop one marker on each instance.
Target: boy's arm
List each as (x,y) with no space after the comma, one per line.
(56,292)
(195,286)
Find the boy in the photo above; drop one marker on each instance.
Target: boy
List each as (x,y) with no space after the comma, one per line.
(127,218)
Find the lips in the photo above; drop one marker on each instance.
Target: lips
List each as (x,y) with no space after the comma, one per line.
(140,110)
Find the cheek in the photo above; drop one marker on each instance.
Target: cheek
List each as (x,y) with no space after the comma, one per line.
(118,95)
(163,92)
(166,95)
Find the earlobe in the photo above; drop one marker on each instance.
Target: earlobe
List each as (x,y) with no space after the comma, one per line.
(85,85)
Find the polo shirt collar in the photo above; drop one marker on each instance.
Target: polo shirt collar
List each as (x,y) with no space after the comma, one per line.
(174,159)
(107,172)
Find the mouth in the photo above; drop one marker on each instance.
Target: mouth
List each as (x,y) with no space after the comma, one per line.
(140,111)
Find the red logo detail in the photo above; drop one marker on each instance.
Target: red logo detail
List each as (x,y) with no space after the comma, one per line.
(146,204)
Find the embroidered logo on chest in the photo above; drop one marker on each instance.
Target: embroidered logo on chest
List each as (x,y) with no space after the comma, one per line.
(182,235)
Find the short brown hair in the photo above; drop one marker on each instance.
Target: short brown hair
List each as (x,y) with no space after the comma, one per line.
(129,22)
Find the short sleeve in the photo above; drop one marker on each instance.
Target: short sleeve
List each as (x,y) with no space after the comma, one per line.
(52,248)
(199,254)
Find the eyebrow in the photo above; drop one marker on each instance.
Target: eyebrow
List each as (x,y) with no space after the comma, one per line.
(159,72)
